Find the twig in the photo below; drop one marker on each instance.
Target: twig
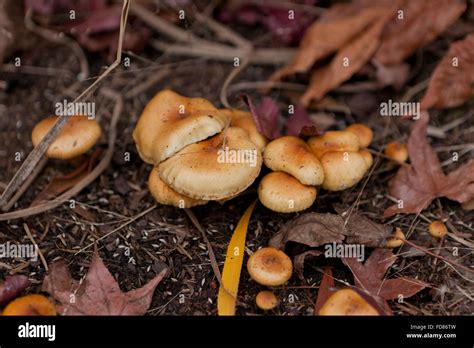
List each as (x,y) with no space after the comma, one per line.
(230,77)
(35,155)
(139,89)
(43,260)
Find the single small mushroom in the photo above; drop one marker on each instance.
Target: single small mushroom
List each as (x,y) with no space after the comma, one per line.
(270,267)
(347,302)
(166,195)
(293,156)
(171,122)
(438,229)
(396,242)
(342,170)
(214,169)
(30,305)
(266,300)
(397,152)
(78,136)
(283,193)
(244,120)
(363,133)
(334,141)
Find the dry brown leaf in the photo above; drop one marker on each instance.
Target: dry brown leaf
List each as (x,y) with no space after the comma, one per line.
(99,293)
(418,184)
(326,289)
(422,22)
(370,277)
(452,82)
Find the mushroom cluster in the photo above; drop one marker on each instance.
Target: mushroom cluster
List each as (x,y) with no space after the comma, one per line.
(199,153)
(335,161)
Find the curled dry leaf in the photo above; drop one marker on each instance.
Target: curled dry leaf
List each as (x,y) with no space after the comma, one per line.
(265,115)
(12,287)
(99,293)
(417,23)
(452,82)
(370,277)
(315,229)
(416,185)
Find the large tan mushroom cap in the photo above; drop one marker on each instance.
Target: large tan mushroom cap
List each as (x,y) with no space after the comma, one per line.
(244,120)
(334,141)
(283,193)
(170,122)
(166,195)
(368,158)
(293,156)
(77,136)
(212,169)
(270,267)
(342,170)
(363,133)
(347,302)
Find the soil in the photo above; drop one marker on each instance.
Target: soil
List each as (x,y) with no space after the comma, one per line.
(165,237)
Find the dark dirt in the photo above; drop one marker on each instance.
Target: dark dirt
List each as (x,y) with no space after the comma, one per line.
(166,237)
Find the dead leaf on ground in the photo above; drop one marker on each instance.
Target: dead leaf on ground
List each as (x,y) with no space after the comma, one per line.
(12,287)
(370,277)
(301,124)
(265,115)
(99,293)
(452,82)
(419,22)
(326,289)
(418,184)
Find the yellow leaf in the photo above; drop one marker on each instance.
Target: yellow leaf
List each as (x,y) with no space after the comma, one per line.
(226,299)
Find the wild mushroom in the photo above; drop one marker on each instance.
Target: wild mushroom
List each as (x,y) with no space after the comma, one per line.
(270,266)
(368,158)
(170,122)
(347,302)
(395,242)
(266,300)
(437,229)
(331,141)
(397,152)
(214,169)
(293,156)
(244,120)
(283,193)
(363,133)
(342,170)
(77,136)
(31,305)
(165,195)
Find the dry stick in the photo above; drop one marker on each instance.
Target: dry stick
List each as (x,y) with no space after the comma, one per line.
(141,88)
(37,153)
(266,85)
(39,167)
(231,76)
(103,164)
(43,260)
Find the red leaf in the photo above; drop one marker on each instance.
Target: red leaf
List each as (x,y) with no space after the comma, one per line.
(326,289)
(12,287)
(266,116)
(99,293)
(301,124)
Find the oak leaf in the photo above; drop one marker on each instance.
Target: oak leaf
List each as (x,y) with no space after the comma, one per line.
(416,185)
(99,293)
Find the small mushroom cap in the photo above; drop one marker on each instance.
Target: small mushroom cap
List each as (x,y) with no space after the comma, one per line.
(396,242)
(347,302)
(283,193)
(368,158)
(397,152)
(342,170)
(266,300)
(469,205)
(363,133)
(334,141)
(166,195)
(30,305)
(293,156)
(437,229)
(270,266)
(244,120)
(213,169)
(170,122)
(76,137)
